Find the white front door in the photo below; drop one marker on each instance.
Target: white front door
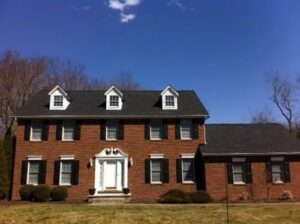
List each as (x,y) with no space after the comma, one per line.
(110,175)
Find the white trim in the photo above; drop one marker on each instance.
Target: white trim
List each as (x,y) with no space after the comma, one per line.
(114,91)
(58,91)
(28,168)
(169,87)
(236,160)
(156,156)
(58,88)
(187,155)
(66,157)
(111,154)
(169,91)
(34,157)
(277,159)
(113,87)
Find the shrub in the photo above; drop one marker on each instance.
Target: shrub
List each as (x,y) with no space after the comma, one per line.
(59,193)
(26,192)
(286,196)
(199,197)
(245,196)
(41,193)
(174,196)
(2,193)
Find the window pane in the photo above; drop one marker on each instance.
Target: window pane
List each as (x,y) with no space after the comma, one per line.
(66,171)
(155,170)
(112,128)
(188,170)
(238,172)
(69,129)
(170,101)
(156,129)
(58,101)
(36,130)
(277,173)
(114,101)
(186,129)
(65,178)
(33,172)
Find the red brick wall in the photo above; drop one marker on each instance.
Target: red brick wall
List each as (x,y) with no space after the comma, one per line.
(134,144)
(215,174)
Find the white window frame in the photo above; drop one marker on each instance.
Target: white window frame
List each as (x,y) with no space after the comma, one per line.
(191,129)
(31,130)
(238,160)
(65,158)
(278,160)
(161,129)
(187,156)
(110,101)
(161,171)
(63,131)
(62,101)
(166,101)
(30,159)
(106,130)
(154,157)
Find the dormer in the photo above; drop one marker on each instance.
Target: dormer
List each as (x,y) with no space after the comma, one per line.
(114,98)
(59,99)
(169,98)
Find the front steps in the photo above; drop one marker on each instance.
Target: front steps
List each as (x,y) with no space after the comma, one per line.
(109,198)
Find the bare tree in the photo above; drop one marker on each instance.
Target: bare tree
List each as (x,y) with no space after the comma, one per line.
(283,98)
(264,115)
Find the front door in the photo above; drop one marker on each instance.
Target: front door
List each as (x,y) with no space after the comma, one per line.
(110,175)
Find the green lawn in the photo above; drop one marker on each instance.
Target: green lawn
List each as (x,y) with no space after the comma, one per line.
(128,214)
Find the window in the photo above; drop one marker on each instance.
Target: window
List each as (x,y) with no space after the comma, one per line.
(186,129)
(277,172)
(33,172)
(187,170)
(112,130)
(114,101)
(156,171)
(68,130)
(170,101)
(36,130)
(238,172)
(156,129)
(66,173)
(58,101)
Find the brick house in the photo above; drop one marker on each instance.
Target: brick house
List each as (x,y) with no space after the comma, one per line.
(102,144)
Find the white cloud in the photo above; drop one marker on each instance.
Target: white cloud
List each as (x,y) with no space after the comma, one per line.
(122,5)
(179,4)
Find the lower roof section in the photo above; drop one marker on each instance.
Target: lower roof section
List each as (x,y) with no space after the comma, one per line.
(249,140)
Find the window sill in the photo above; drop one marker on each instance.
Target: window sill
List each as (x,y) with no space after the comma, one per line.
(188,182)
(67,140)
(32,140)
(65,185)
(111,140)
(155,139)
(239,183)
(156,183)
(186,139)
(278,183)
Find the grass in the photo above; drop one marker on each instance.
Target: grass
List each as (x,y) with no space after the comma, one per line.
(129,214)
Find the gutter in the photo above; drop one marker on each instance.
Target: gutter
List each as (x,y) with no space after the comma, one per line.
(110,116)
(249,154)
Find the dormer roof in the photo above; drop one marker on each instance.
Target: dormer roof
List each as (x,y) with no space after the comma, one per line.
(171,89)
(113,88)
(59,89)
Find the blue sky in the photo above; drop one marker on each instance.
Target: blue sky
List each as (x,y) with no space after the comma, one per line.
(221,49)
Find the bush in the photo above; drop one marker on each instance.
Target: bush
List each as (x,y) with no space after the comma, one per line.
(2,193)
(26,192)
(174,196)
(59,193)
(199,197)
(41,193)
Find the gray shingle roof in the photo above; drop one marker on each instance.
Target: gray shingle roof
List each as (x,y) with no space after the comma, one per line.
(251,139)
(137,104)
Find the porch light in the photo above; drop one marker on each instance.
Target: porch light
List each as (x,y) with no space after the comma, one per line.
(131,161)
(91,162)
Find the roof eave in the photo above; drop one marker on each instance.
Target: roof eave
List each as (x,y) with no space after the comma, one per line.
(249,154)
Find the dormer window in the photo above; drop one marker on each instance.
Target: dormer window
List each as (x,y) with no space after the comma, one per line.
(58,101)
(170,101)
(114,99)
(169,98)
